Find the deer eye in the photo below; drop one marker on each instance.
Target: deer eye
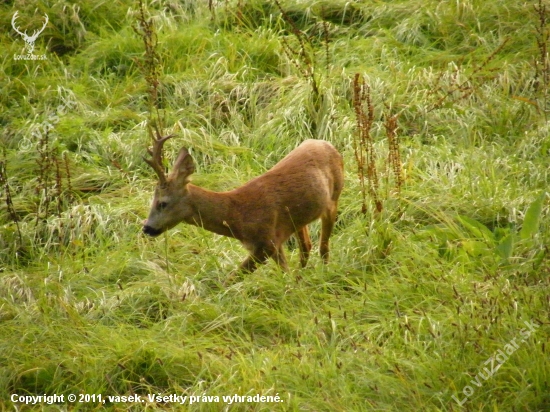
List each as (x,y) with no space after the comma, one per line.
(161,205)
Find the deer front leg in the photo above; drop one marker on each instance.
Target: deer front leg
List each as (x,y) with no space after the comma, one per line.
(279,257)
(249,265)
(260,253)
(304,242)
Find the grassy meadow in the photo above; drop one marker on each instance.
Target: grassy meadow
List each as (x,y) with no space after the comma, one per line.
(437,300)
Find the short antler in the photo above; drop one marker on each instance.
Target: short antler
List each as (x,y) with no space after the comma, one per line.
(156,153)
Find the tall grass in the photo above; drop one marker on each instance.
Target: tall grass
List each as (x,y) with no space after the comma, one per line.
(416,298)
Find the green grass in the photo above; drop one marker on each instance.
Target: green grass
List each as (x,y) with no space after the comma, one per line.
(415,299)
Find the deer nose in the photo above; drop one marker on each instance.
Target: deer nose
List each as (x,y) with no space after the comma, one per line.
(151,231)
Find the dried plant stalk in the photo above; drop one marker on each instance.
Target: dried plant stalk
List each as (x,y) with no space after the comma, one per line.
(304,58)
(9,203)
(542,61)
(365,155)
(394,157)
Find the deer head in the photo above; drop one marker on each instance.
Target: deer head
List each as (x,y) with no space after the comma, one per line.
(29,40)
(169,205)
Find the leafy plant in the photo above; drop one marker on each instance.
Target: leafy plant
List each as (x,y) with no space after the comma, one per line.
(468,236)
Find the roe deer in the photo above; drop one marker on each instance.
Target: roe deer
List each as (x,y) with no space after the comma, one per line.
(262,213)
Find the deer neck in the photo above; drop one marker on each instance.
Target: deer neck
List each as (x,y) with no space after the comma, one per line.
(212,211)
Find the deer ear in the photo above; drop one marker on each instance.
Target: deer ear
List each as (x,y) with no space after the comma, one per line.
(184,166)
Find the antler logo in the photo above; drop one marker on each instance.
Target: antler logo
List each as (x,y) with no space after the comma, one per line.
(29,40)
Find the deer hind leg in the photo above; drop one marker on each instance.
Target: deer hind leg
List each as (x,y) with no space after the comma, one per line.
(327,223)
(304,243)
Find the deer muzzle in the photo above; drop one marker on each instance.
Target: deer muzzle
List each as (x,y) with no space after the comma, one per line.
(151,231)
